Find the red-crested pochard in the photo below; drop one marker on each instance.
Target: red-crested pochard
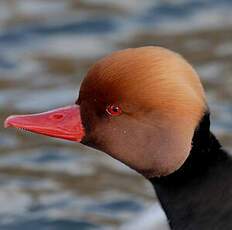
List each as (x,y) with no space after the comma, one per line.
(146,107)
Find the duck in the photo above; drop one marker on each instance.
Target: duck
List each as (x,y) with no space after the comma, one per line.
(147,108)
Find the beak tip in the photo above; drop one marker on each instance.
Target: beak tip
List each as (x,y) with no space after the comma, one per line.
(7,122)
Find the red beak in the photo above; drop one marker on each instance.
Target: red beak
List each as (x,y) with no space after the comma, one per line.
(62,123)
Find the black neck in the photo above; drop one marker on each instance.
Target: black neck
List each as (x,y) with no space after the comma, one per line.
(199,194)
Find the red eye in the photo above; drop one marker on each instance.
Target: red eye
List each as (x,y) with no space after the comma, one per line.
(113,110)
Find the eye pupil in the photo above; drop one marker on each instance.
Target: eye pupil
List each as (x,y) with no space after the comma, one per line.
(115,109)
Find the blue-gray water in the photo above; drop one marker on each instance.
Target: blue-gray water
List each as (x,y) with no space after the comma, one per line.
(46,48)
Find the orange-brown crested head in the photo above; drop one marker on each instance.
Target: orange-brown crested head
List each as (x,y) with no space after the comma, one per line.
(142,107)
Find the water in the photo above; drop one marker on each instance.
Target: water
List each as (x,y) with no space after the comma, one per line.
(46,48)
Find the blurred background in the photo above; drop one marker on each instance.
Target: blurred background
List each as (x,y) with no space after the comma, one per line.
(46,47)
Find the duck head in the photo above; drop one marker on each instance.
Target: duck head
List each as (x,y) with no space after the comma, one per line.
(141,106)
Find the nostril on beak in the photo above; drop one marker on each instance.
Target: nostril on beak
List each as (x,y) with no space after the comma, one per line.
(57,116)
